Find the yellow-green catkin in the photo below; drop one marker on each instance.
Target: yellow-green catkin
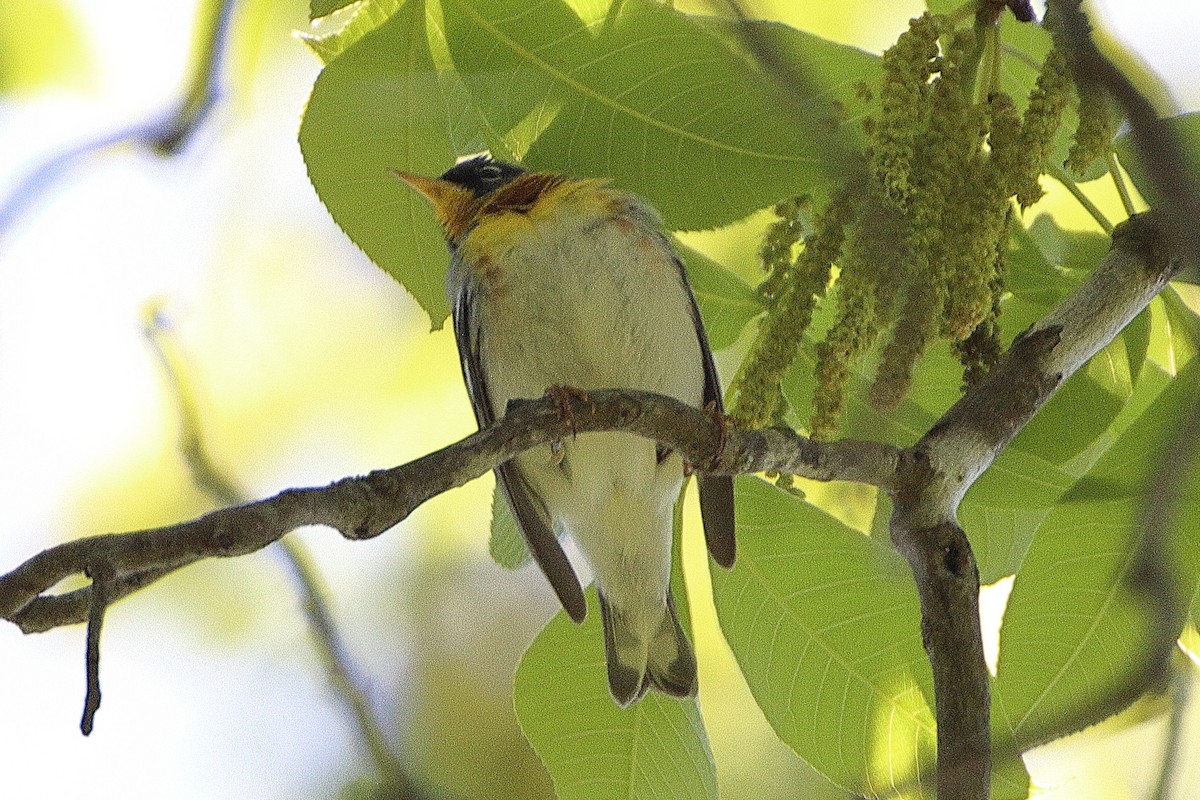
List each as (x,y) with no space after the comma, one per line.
(907,66)
(865,263)
(1042,119)
(777,252)
(1095,131)
(946,156)
(852,334)
(758,398)
(980,351)
(972,247)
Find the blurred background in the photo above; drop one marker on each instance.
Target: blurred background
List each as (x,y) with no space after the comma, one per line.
(307,364)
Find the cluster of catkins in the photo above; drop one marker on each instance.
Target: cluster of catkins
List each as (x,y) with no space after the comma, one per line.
(919,247)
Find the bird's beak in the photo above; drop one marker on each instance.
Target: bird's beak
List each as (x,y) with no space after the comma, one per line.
(449,200)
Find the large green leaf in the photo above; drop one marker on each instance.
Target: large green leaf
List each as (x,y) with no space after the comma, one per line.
(506,544)
(726,301)
(593,749)
(382,105)
(1072,630)
(654,100)
(825,625)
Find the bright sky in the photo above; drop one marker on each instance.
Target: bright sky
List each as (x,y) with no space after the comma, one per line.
(1165,33)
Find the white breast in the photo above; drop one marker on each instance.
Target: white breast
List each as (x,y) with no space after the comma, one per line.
(597,301)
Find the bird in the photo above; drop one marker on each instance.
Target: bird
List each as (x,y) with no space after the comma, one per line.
(557,282)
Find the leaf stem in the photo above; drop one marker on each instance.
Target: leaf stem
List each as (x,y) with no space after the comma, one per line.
(1060,175)
(1118,177)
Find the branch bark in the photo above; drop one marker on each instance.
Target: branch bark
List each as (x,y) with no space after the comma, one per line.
(926,482)
(364,507)
(935,473)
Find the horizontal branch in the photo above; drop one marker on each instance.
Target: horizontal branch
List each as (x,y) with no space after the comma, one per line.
(364,507)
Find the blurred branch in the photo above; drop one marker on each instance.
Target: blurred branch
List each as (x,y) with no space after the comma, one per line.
(1173,245)
(165,133)
(1181,694)
(846,163)
(335,657)
(1174,187)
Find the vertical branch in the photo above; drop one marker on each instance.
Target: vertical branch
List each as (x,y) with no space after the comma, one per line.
(165,132)
(947,581)
(102,575)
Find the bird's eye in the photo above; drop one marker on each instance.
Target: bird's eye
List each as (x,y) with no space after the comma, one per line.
(490,173)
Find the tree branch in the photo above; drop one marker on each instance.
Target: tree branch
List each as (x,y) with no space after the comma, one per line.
(364,507)
(926,482)
(935,473)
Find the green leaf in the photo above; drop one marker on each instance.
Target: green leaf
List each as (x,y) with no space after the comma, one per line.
(323,8)
(593,749)
(1010,778)
(825,625)
(726,301)
(368,16)
(652,99)
(380,106)
(1072,630)
(1000,535)
(506,544)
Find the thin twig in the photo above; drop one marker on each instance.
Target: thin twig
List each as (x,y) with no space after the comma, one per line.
(1118,179)
(101,575)
(334,655)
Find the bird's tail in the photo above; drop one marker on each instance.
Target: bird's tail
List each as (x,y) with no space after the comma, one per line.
(659,656)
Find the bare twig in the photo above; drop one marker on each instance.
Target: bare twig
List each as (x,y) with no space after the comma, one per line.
(101,575)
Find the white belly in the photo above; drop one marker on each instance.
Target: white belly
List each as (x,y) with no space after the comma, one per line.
(598,308)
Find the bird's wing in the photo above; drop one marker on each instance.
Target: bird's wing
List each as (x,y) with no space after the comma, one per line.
(525,505)
(716,491)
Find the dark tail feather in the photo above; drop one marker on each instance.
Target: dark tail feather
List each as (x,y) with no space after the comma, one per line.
(671,664)
(667,662)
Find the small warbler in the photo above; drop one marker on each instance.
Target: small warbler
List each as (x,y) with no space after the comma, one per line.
(561,282)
